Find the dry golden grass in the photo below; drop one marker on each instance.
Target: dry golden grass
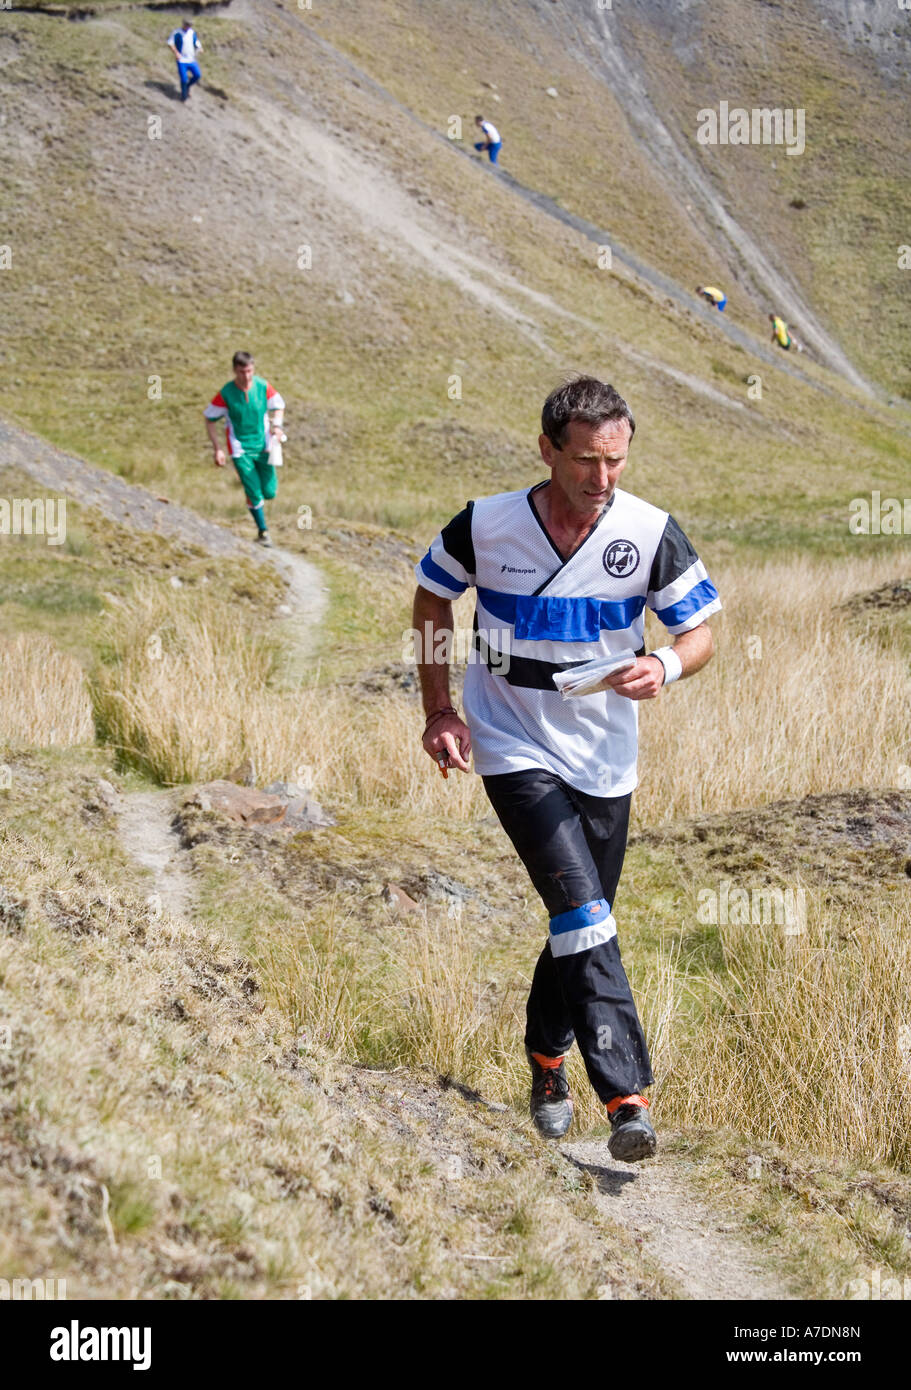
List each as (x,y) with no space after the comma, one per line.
(183,692)
(806,1039)
(43,696)
(163,1135)
(795,701)
(189,694)
(423,1003)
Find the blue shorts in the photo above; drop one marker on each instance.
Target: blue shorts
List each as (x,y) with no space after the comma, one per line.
(492,150)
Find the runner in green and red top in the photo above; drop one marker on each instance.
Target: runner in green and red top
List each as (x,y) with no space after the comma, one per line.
(253,411)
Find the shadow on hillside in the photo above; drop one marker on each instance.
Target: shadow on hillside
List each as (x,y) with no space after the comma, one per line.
(610,1181)
(166,88)
(172,92)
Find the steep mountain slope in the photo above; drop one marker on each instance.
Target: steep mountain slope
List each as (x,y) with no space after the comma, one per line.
(413,306)
(620,138)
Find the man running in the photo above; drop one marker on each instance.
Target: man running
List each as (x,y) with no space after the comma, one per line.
(563,572)
(253,411)
(184,44)
(491,141)
(715,297)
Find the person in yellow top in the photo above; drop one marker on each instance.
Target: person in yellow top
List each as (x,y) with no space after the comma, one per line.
(781,334)
(713,295)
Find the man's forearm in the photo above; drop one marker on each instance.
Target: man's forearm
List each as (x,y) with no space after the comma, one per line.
(212,432)
(695,649)
(432,616)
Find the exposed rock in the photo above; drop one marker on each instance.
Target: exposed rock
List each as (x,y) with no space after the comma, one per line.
(396,898)
(108,795)
(249,806)
(391,679)
(304,813)
(440,888)
(292,790)
(893,595)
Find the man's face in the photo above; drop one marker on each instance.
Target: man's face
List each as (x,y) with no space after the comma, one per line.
(243,376)
(586,470)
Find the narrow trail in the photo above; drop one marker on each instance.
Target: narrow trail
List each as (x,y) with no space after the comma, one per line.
(305,602)
(145,821)
(691,1242)
(145,818)
(128,504)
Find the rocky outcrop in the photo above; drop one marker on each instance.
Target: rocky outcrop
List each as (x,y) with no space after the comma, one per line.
(282,806)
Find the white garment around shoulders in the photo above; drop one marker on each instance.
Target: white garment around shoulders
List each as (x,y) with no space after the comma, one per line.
(186,43)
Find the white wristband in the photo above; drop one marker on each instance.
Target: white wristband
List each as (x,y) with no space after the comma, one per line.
(673,667)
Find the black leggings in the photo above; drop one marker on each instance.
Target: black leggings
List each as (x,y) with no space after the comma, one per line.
(572,845)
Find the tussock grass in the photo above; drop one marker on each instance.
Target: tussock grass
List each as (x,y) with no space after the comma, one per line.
(805,1039)
(188,694)
(420,1000)
(44,699)
(795,701)
(800,1039)
(185,693)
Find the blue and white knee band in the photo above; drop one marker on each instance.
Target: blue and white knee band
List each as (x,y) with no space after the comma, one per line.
(582,928)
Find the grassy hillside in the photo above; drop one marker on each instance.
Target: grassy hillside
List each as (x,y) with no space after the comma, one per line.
(137,258)
(359,1060)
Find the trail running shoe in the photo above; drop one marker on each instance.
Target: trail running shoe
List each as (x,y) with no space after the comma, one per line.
(551,1104)
(632,1137)
(264,538)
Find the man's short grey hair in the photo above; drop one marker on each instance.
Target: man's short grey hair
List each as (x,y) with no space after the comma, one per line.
(587,399)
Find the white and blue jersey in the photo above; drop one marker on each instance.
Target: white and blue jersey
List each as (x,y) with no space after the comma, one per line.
(186,43)
(537,613)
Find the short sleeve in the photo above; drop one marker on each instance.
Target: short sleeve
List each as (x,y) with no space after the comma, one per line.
(680,592)
(448,568)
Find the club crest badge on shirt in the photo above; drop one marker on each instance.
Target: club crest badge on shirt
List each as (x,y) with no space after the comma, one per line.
(620,558)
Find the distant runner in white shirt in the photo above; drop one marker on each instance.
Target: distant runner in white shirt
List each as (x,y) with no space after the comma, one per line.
(491,142)
(184,44)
